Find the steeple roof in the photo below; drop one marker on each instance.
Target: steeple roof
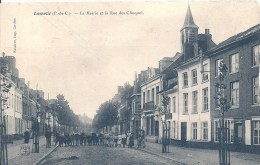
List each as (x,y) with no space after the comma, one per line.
(189,22)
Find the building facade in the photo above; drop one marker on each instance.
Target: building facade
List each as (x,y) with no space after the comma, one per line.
(241,54)
(150,99)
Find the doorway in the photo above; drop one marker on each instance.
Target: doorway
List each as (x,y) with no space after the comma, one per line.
(238,136)
(183,133)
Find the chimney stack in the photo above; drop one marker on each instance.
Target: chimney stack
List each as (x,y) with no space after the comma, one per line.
(207,31)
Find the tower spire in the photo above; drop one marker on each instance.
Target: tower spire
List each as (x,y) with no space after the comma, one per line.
(189,22)
(189,36)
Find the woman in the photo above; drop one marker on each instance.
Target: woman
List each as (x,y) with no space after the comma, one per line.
(123,140)
(131,140)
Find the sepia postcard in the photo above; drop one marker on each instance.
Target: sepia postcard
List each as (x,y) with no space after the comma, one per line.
(130,82)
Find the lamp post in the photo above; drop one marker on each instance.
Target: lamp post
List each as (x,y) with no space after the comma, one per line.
(48,132)
(36,135)
(36,127)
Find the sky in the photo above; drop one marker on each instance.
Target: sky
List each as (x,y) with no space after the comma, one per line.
(85,57)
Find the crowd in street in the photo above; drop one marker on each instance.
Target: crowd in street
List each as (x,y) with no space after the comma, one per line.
(108,140)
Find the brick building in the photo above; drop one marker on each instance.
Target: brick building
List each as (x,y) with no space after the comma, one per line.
(241,54)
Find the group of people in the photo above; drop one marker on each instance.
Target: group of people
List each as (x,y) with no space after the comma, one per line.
(113,140)
(77,139)
(109,140)
(122,140)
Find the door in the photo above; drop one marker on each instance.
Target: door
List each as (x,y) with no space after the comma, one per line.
(238,136)
(183,133)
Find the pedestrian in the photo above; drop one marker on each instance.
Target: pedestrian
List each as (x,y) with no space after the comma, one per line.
(124,140)
(131,140)
(26,136)
(48,139)
(119,141)
(127,139)
(115,140)
(139,139)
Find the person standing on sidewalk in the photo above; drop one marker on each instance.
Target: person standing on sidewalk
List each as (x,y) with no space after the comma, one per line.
(48,138)
(26,136)
(131,140)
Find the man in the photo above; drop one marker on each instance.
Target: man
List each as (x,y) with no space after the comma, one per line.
(26,136)
(48,138)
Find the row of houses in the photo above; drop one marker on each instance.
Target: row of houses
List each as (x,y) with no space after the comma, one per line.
(24,105)
(189,80)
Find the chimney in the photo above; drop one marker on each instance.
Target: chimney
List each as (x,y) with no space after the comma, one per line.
(207,31)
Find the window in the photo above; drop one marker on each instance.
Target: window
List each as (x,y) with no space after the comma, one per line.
(15,103)
(185,79)
(194,131)
(148,95)
(194,101)
(256,55)
(185,102)
(169,105)
(12,100)
(194,77)
(230,125)
(217,65)
(157,95)
(143,99)
(205,94)
(217,126)
(256,90)
(204,131)
(174,129)
(234,63)
(152,125)
(133,108)
(205,75)
(152,98)
(217,99)
(148,121)
(256,133)
(174,104)
(235,93)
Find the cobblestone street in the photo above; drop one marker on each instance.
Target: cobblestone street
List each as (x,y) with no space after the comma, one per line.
(15,157)
(103,155)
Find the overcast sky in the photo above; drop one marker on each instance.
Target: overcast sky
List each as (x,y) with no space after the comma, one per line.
(87,57)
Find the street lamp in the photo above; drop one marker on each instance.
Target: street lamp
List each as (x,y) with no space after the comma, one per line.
(36,128)
(48,132)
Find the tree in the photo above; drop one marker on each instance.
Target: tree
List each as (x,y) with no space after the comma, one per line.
(106,115)
(65,114)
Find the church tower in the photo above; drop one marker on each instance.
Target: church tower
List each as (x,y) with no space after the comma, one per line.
(189,36)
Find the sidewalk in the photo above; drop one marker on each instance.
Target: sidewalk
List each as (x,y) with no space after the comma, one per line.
(201,156)
(15,158)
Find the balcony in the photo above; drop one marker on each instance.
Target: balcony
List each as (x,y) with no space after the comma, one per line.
(148,106)
(168,116)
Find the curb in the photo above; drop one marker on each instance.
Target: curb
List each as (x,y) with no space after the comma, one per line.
(44,157)
(162,156)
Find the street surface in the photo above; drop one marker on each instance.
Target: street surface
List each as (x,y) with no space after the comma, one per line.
(151,154)
(202,156)
(99,155)
(15,157)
